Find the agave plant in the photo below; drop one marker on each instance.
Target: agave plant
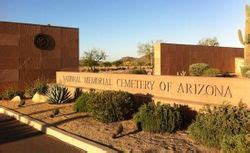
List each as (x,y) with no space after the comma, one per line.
(58,94)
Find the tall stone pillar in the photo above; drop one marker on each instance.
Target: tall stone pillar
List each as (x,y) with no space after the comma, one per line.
(157,59)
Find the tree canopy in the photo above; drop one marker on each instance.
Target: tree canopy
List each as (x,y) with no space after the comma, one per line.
(209,42)
(92,57)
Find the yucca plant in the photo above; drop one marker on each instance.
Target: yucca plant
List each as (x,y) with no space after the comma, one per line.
(58,94)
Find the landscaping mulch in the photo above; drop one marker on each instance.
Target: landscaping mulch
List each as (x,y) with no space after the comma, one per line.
(84,125)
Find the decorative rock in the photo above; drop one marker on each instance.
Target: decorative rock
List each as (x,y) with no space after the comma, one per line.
(16,99)
(39,98)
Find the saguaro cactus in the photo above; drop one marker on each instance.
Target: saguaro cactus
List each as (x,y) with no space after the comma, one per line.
(246,40)
(242,41)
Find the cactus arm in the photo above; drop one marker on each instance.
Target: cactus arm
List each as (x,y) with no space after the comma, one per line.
(240,37)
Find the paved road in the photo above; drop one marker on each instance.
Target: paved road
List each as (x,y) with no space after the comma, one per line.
(16,137)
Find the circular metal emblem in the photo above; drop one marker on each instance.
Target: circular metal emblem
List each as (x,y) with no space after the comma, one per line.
(44,42)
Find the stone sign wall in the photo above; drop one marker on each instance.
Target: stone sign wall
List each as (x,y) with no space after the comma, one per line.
(29,51)
(195,91)
(172,58)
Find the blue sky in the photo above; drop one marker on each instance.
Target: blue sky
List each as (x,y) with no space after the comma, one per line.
(117,26)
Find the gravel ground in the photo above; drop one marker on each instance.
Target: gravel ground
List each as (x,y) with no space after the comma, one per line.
(85,126)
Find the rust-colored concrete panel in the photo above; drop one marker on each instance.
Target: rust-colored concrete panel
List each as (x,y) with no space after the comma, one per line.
(56,34)
(31,61)
(9,39)
(9,75)
(55,53)
(25,76)
(9,51)
(28,32)
(29,75)
(70,63)
(176,57)
(10,85)
(71,51)
(51,63)
(9,62)
(9,28)
(70,41)
(27,52)
(70,37)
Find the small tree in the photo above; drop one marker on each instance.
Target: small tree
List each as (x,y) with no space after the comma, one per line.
(92,57)
(147,49)
(209,42)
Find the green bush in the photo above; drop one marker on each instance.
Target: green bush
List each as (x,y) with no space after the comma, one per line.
(159,118)
(213,123)
(138,71)
(198,69)
(77,93)
(81,102)
(58,94)
(39,86)
(244,70)
(8,94)
(111,106)
(211,72)
(247,74)
(237,143)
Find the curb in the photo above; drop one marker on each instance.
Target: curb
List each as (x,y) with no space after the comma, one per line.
(66,137)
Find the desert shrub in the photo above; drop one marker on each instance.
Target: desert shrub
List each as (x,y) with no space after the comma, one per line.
(8,94)
(110,106)
(138,71)
(159,118)
(38,86)
(58,94)
(211,72)
(236,143)
(81,102)
(244,70)
(213,123)
(77,93)
(248,74)
(197,69)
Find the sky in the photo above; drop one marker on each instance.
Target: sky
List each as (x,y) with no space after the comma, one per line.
(117,26)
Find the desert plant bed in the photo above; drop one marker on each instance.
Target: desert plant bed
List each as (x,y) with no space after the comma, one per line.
(83,125)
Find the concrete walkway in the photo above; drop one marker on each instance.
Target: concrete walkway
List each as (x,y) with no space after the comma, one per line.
(16,137)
